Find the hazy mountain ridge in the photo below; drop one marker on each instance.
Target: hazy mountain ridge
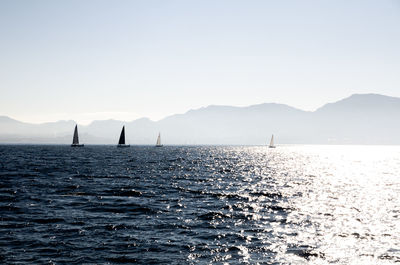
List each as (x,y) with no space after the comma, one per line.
(358,119)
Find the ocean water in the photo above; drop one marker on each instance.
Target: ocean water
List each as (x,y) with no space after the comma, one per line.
(200,205)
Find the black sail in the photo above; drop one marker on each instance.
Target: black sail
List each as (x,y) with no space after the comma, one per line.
(75,140)
(122,137)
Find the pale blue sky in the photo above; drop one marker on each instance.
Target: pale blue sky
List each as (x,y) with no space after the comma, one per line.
(88,60)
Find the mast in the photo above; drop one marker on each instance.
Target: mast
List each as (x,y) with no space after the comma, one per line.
(122,136)
(75,140)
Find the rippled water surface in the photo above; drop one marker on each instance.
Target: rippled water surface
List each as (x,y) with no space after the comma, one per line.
(200,205)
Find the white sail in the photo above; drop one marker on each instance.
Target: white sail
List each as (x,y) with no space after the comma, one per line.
(158,143)
(271,143)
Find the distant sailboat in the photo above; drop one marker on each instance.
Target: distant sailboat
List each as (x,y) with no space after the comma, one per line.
(75,140)
(121,142)
(271,143)
(158,143)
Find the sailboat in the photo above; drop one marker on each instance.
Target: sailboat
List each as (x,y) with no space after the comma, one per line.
(75,140)
(158,143)
(121,142)
(271,143)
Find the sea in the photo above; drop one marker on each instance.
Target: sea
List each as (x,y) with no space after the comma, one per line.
(294,204)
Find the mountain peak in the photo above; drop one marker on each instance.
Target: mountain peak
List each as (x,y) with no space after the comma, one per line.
(362,101)
(7,119)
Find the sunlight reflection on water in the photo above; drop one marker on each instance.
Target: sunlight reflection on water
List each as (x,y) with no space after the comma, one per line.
(200,205)
(349,208)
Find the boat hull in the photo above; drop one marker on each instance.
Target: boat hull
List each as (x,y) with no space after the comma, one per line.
(123,145)
(77,145)
(159,145)
(271,146)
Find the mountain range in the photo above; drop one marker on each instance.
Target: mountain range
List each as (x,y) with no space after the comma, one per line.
(358,119)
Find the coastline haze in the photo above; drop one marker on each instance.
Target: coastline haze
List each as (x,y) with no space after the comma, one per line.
(358,119)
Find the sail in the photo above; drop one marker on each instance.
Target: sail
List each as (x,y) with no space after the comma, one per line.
(158,140)
(122,136)
(75,140)
(271,143)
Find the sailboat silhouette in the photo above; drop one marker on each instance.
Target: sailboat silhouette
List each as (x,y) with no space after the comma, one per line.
(121,142)
(75,139)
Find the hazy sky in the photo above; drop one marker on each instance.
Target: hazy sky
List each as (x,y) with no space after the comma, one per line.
(88,60)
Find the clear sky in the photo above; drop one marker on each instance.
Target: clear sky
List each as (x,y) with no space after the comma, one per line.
(87,60)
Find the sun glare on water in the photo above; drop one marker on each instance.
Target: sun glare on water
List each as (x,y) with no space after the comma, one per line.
(346,203)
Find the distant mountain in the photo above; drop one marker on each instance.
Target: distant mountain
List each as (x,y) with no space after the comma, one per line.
(15,131)
(358,119)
